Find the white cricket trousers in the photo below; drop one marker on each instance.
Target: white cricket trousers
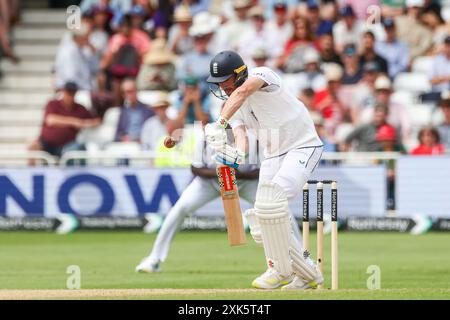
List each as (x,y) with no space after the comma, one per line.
(197,194)
(291,171)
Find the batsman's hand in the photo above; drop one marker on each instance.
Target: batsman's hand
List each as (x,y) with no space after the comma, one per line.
(216,136)
(229,156)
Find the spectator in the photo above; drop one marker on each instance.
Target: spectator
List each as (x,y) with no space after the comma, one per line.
(329,11)
(206,24)
(353,72)
(314,18)
(7,15)
(161,12)
(393,50)
(329,102)
(429,142)
(196,6)
(398,113)
(364,99)
(98,19)
(138,16)
(440,71)
(257,36)
(364,137)
(118,6)
(230,33)
(444,128)
(158,69)
(259,57)
(307,97)
(156,128)
(271,5)
(432,6)
(63,119)
(194,105)
(437,25)
(280,26)
(347,29)
(329,144)
(133,114)
(326,49)
(75,59)
(291,61)
(124,54)
(180,42)
(312,77)
(195,64)
(412,32)
(369,54)
(99,36)
(392,8)
(387,138)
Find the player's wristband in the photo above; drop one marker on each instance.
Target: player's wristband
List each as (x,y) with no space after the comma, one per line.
(222,122)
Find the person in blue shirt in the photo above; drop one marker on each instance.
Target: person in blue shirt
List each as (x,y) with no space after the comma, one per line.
(133,114)
(393,50)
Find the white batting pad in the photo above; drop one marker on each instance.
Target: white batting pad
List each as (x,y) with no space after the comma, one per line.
(303,266)
(271,210)
(255,227)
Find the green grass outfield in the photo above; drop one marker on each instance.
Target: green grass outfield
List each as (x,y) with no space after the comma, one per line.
(412,267)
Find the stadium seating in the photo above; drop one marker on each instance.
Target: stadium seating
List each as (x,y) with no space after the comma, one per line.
(412,81)
(98,138)
(404,97)
(422,64)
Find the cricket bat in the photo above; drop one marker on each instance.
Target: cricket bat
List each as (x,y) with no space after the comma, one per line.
(231,205)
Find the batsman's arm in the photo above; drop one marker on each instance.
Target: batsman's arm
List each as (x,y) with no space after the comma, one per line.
(247,175)
(241,138)
(206,173)
(237,98)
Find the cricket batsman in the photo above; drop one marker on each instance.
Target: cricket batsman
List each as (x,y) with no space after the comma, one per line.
(258,101)
(202,189)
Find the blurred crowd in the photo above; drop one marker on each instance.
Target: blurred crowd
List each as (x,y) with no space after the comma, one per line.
(355,65)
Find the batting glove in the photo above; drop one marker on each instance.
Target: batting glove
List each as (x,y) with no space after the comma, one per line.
(229,156)
(216,135)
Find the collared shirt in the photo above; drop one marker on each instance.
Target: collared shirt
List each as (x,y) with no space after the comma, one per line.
(73,64)
(131,121)
(58,136)
(396,53)
(441,67)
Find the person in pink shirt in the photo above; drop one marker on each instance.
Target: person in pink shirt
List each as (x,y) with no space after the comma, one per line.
(429,143)
(124,54)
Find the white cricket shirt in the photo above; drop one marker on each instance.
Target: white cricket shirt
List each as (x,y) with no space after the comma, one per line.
(280,121)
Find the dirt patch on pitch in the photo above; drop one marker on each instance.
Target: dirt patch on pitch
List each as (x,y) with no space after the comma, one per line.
(111,293)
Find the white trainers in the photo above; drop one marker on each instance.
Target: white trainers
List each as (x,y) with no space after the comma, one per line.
(148,265)
(300,284)
(271,279)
